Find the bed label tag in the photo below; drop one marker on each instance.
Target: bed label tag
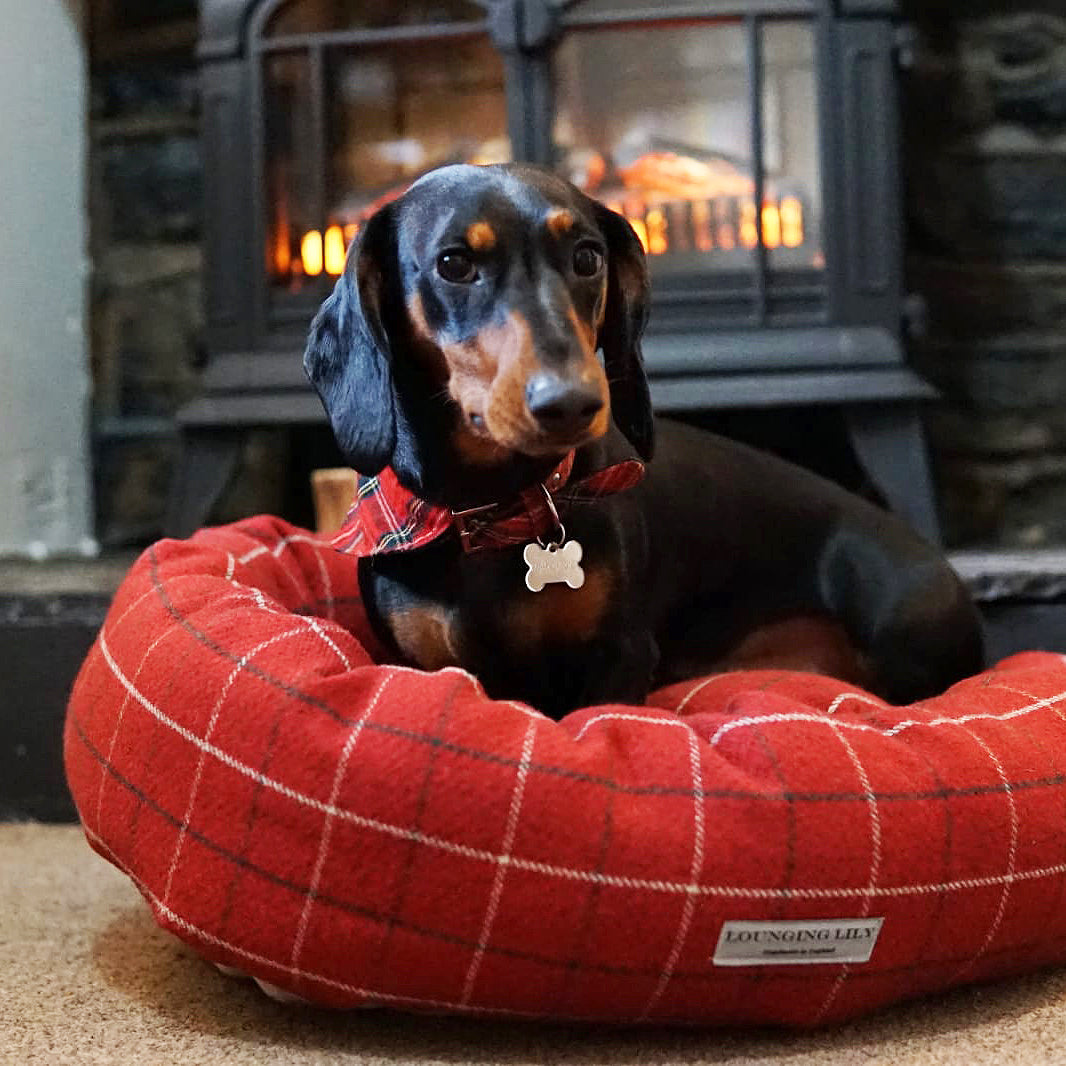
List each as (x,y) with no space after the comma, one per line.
(802,943)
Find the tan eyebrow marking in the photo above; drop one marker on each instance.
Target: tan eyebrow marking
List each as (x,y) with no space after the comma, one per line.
(481,237)
(559,221)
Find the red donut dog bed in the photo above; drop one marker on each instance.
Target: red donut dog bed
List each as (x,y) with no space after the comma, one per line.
(361,834)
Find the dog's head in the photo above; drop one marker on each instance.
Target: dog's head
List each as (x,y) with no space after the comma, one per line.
(466,325)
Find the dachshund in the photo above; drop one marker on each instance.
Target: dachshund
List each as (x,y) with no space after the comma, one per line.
(505,520)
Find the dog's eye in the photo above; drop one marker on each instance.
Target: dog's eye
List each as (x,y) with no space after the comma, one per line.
(456,266)
(588,260)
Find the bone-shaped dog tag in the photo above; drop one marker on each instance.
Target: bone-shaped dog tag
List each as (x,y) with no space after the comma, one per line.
(553,565)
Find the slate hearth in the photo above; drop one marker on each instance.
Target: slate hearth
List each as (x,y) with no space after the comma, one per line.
(49,616)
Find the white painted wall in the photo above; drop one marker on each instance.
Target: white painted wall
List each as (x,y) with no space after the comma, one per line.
(44,374)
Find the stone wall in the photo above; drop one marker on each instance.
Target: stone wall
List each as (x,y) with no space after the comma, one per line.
(146,192)
(985,115)
(147,294)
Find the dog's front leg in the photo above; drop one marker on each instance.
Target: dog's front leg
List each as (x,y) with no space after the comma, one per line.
(618,668)
(614,668)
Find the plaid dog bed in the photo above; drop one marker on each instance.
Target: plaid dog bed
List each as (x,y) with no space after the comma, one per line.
(748,848)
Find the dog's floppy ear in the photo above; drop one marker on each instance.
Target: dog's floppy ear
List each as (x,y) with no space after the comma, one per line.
(348,358)
(623,325)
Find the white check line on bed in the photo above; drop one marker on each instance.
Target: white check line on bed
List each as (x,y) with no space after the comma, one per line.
(522,708)
(1015,691)
(264,549)
(893,731)
(695,691)
(327,640)
(327,584)
(264,604)
(118,721)
(521,776)
(695,871)
(614,716)
(216,711)
(149,592)
(875,861)
(327,825)
(276,551)
(252,956)
(572,874)
(1012,855)
(1018,712)
(859,697)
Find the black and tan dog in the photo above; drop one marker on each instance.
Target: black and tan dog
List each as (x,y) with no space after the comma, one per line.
(457,357)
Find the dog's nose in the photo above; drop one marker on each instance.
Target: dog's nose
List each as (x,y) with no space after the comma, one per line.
(560,406)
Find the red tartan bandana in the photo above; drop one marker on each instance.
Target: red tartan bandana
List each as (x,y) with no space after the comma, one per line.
(386,517)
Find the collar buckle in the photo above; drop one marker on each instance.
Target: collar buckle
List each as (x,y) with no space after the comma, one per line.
(469,525)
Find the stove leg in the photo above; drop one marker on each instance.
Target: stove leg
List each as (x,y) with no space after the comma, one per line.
(889,442)
(207,461)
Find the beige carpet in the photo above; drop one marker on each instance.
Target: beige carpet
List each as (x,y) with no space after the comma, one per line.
(87,977)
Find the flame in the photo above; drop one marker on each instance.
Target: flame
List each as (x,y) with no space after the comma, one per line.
(712,227)
(319,253)
(335,251)
(721,224)
(311,253)
(791,222)
(282,253)
(709,224)
(656,223)
(677,204)
(771,225)
(701,225)
(749,233)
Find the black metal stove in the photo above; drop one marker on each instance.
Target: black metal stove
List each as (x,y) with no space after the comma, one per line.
(752,144)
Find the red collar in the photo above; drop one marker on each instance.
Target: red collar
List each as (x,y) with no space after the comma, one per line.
(386,517)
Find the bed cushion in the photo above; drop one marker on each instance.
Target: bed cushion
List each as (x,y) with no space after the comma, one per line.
(363,834)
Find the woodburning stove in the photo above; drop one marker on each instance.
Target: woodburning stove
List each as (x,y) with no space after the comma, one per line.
(751,143)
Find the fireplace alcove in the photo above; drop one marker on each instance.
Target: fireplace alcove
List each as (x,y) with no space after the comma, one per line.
(753,144)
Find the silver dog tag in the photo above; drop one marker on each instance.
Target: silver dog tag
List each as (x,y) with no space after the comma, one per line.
(554,564)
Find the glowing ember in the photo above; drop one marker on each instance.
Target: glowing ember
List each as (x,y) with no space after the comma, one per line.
(656,223)
(281,253)
(335,251)
(722,224)
(749,235)
(702,225)
(311,253)
(791,222)
(771,225)
(675,205)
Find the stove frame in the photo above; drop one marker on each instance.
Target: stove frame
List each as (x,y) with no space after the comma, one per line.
(720,344)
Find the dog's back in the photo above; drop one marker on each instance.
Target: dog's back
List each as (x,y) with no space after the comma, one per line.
(742,537)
